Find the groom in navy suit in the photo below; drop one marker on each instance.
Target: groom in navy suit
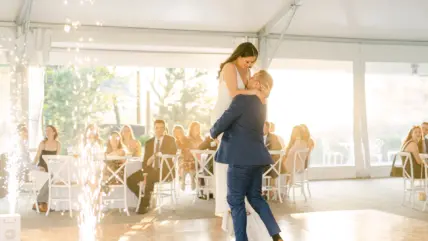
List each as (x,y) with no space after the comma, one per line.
(243,148)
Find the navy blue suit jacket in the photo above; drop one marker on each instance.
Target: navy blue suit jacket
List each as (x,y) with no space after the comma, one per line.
(242,124)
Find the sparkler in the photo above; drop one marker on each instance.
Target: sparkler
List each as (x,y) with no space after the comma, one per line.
(13,170)
(90,167)
(89,163)
(14,167)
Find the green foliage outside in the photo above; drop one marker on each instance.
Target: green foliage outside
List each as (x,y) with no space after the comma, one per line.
(181,97)
(72,100)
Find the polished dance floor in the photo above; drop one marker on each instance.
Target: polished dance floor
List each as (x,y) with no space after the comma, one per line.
(346,210)
(356,225)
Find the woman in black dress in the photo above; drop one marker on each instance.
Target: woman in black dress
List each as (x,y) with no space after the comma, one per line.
(49,146)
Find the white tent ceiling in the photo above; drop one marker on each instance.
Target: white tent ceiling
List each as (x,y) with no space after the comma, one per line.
(364,19)
(214,26)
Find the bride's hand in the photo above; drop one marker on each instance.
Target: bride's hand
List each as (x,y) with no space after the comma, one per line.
(258,93)
(255,92)
(264,91)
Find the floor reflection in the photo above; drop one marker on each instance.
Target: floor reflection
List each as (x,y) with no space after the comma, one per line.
(360,225)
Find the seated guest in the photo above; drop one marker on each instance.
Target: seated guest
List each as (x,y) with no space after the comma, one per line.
(272,129)
(413,145)
(186,161)
(24,154)
(93,147)
(424,127)
(271,140)
(92,141)
(194,134)
(115,147)
(295,144)
(132,144)
(306,136)
(160,143)
(272,143)
(49,146)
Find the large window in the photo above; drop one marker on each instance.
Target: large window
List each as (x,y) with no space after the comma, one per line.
(182,95)
(397,99)
(114,96)
(318,94)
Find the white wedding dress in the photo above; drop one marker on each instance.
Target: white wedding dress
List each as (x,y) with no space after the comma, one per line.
(256,230)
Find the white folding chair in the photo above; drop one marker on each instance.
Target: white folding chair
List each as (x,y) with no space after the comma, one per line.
(306,173)
(297,176)
(59,177)
(276,169)
(31,188)
(203,160)
(114,175)
(167,185)
(410,184)
(141,185)
(425,182)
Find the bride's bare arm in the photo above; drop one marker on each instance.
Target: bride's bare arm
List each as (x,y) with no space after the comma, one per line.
(230,76)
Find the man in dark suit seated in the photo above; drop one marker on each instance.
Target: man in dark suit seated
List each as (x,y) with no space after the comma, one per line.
(272,129)
(271,140)
(160,143)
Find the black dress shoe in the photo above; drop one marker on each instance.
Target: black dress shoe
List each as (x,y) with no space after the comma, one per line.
(277,237)
(204,197)
(143,210)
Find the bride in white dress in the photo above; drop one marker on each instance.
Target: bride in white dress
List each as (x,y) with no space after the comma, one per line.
(233,77)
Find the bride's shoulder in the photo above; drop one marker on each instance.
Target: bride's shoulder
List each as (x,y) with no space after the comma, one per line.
(228,72)
(229,68)
(229,65)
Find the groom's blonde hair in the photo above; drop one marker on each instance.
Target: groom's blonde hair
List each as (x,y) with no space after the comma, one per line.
(265,80)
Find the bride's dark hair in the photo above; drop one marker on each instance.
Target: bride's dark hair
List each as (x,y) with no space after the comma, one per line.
(244,50)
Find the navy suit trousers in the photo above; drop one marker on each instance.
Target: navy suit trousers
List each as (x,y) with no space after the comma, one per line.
(246,181)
